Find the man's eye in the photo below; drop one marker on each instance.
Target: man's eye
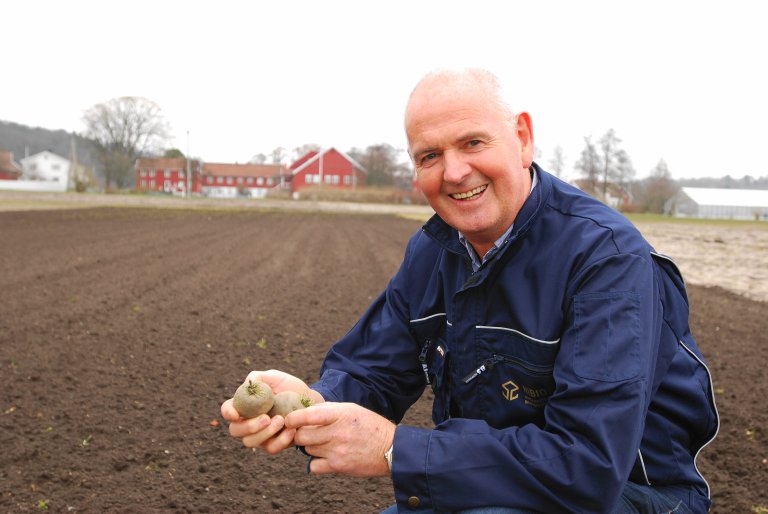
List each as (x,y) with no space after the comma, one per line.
(474,142)
(428,157)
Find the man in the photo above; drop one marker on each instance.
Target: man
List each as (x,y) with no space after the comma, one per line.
(555,339)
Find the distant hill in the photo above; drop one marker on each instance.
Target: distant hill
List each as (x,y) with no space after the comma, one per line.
(23,140)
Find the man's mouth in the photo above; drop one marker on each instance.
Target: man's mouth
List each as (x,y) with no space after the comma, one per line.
(468,195)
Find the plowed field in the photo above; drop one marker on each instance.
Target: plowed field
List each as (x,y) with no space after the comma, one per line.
(122,330)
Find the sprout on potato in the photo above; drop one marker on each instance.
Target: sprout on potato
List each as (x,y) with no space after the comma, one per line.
(253,399)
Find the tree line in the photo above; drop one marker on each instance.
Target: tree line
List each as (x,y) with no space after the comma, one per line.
(119,131)
(604,164)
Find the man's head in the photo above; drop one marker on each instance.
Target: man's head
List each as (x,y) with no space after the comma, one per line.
(471,152)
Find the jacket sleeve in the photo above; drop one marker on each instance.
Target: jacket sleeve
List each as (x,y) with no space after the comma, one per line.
(373,365)
(580,458)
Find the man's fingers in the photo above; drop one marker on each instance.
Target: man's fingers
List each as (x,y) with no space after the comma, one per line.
(282,441)
(273,378)
(246,427)
(321,414)
(312,436)
(319,466)
(229,412)
(256,438)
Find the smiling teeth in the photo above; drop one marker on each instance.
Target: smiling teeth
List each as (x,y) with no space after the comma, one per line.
(469,194)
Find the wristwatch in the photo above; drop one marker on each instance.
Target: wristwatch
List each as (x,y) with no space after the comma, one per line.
(388,456)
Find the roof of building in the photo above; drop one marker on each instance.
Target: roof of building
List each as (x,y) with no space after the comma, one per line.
(313,156)
(243,170)
(45,154)
(727,197)
(162,163)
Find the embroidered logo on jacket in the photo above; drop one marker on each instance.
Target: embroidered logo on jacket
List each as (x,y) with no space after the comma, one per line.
(509,390)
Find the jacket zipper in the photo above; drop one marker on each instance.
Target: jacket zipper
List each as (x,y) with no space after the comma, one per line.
(423,359)
(496,358)
(485,366)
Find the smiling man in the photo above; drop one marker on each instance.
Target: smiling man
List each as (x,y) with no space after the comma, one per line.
(471,154)
(555,339)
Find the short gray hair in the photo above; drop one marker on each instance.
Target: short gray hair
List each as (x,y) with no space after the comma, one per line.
(479,77)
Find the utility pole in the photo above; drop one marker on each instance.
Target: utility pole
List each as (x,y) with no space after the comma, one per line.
(74,175)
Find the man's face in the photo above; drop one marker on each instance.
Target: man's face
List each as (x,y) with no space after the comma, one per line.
(471,162)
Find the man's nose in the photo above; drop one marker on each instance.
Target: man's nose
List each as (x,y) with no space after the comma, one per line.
(456,168)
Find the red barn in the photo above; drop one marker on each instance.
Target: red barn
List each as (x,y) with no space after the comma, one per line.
(330,168)
(166,175)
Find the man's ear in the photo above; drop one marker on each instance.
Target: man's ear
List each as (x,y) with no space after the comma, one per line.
(525,136)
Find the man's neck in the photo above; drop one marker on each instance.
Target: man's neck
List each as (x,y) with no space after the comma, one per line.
(483,246)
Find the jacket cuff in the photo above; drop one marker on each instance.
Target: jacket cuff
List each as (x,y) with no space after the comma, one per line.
(325,392)
(409,468)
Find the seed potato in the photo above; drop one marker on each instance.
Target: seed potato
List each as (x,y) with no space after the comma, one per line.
(253,399)
(287,402)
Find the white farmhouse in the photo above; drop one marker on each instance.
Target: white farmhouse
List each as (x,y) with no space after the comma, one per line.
(705,202)
(45,166)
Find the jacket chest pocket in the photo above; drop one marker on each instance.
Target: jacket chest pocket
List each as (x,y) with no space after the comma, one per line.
(514,378)
(434,362)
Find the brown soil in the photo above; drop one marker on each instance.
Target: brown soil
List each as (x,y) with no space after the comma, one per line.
(122,331)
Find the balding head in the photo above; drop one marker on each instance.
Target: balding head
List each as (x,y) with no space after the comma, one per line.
(464,83)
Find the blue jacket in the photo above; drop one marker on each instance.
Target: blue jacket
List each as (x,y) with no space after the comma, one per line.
(561,369)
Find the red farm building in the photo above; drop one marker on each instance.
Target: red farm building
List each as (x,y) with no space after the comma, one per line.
(220,180)
(329,168)
(168,175)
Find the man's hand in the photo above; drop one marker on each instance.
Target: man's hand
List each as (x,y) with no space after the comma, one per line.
(263,431)
(344,438)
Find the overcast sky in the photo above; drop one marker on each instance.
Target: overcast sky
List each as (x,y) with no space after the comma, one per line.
(685,81)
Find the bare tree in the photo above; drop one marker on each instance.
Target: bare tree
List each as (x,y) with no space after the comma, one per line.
(659,188)
(589,164)
(301,151)
(609,144)
(381,163)
(259,158)
(625,172)
(557,162)
(123,129)
(279,155)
